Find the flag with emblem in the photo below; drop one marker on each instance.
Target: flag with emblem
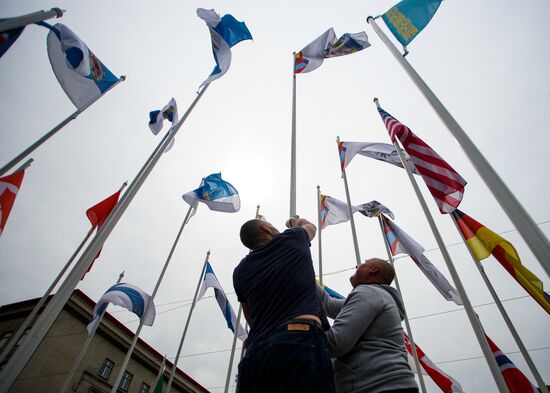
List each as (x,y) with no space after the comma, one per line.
(9,187)
(157,117)
(216,193)
(378,151)
(334,211)
(8,37)
(444,183)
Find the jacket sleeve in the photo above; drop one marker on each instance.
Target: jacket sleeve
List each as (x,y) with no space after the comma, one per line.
(331,306)
(356,316)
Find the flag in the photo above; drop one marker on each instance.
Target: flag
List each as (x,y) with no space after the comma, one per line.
(9,186)
(484,242)
(8,37)
(156,119)
(516,381)
(216,193)
(374,209)
(407,18)
(225,32)
(211,281)
(331,292)
(80,73)
(446,383)
(159,386)
(379,151)
(400,242)
(326,45)
(334,211)
(444,183)
(128,296)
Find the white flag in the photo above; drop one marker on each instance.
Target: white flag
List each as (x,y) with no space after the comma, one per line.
(334,211)
(378,151)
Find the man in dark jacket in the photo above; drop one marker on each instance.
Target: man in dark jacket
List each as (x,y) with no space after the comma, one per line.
(366,338)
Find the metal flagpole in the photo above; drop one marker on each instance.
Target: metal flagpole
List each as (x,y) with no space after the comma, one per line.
(293,145)
(150,304)
(407,323)
(235,335)
(258,215)
(532,235)
(85,347)
(173,372)
(47,318)
(161,371)
(23,20)
(513,331)
(472,316)
(319,235)
(54,130)
(350,213)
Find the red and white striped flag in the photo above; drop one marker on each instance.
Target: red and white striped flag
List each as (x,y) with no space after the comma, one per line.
(444,183)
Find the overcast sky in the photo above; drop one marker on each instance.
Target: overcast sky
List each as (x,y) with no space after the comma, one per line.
(486,60)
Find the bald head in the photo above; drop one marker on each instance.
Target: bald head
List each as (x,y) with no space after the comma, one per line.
(256,232)
(373,271)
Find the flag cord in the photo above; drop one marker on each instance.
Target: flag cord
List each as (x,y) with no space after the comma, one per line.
(293,145)
(319,230)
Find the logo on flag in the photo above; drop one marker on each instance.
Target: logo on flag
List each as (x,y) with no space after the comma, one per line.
(334,211)
(216,193)
(9,187)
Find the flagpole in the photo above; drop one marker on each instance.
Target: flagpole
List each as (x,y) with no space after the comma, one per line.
(236,333)
(54,130)
(85,346)
(407,323)
(173,372)
(47,318)
(23,20)
(319,235)
(149,304)
(161,371)
(472,316)
(513,331)
(532,235)
(350,213)
(257,216)
(293,145)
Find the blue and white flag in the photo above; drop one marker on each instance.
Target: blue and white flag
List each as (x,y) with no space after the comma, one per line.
(216,193)
(128,296)
(156,119)
(80,73)
(211,281)
(8,37)
(225,32)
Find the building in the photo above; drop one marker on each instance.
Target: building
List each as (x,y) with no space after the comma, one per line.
(51,363)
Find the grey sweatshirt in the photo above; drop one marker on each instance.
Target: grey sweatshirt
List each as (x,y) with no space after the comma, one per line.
(367,340)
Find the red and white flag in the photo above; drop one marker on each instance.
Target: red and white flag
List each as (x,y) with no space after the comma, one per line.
(445,382)
(9,186)
(444,183)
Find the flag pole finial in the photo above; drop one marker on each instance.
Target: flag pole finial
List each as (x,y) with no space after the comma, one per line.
(376,102)
(338,139)
(121,275)
(318,188)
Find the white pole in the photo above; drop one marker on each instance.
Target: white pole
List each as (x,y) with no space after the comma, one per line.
(230,367)
(293,145)
(173,372)
(532,235)
(257,216)
(149,304)
(161,371)
(474,321)
(53,131)
(350,213)
(407,323)
(47,318)
(319,235)
(85,347)
(513,331)
(23,20)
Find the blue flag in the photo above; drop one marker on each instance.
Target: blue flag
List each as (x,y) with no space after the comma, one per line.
(225,32)
(407,18)
(7,38)
(216,193)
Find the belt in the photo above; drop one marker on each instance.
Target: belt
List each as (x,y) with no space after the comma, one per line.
(298,324)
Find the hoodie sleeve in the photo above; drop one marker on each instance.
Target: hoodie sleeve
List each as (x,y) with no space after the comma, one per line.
(331,306)
(356,316)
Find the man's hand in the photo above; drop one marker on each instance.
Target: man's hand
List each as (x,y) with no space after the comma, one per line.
(296,221)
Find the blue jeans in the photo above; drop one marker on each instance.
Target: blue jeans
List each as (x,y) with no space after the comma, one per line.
(293,358)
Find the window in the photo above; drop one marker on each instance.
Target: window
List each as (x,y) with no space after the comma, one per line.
(126,381)
(106,368)
(4,338)
(144,388)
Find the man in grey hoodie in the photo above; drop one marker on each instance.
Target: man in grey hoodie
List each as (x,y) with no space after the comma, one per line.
(367,339)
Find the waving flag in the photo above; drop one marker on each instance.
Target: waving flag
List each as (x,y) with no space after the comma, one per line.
(334,211)
(128,296)
(331,292)
(9,187)
(211,281)
(80,73)
(325,46)
(8,37)
(444,183)
(484,242)
(407,18)
(400,242)
(225,33)
(157,117)
(516,381)
(216,193)
(378,151)
(445,382)
(374,209)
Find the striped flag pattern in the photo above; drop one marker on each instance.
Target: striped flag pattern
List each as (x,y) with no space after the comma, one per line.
(444,183)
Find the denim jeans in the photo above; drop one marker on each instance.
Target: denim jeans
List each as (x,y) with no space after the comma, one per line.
(293,358)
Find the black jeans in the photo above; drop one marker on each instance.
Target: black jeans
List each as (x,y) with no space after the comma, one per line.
(293,358)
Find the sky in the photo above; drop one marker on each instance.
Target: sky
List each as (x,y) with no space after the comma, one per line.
(486,61)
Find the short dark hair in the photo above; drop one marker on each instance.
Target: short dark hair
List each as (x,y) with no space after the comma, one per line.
(250,233)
